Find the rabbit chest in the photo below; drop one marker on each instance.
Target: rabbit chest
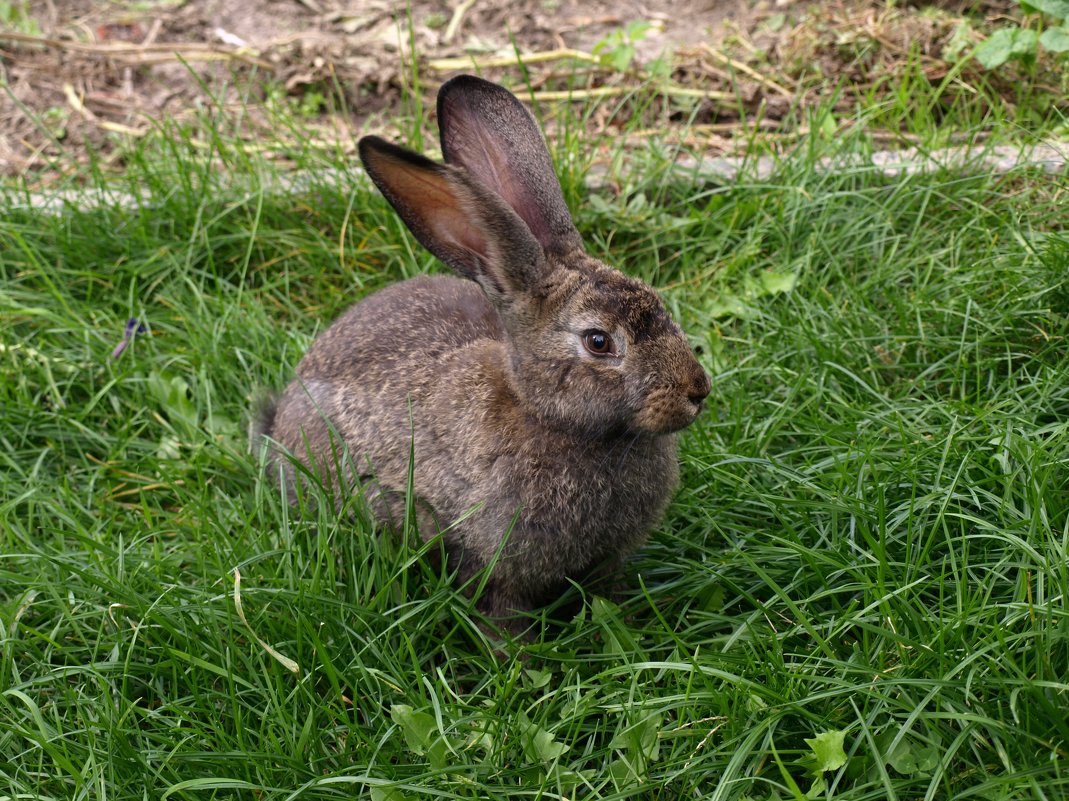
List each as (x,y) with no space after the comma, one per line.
(565,501)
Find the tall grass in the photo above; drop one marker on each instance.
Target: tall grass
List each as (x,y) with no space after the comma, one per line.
(870,545)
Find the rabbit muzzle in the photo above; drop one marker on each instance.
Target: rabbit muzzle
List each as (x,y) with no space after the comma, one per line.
(674,403)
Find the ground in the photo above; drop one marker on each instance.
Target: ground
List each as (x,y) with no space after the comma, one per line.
(84,77)
(859,591)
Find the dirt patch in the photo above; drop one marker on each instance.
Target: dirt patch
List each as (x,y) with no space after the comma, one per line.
(84,76)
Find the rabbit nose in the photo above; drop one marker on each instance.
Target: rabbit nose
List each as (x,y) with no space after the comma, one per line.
(700,387)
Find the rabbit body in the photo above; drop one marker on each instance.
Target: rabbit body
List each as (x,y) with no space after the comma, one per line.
(582,501)
(542,389)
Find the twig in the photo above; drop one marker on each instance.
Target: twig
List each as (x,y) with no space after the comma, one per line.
(668,90)
(464,62)
(118,127)
(616,91)
(153,32)
(141,54)
(77,104)
(707,127)
(723,58)
(458,17)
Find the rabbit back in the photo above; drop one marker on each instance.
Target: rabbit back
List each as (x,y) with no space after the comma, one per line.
(354,386)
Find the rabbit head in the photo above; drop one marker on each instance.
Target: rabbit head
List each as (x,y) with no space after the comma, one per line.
(590,349)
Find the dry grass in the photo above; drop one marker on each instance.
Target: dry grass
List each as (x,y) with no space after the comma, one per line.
(756,83)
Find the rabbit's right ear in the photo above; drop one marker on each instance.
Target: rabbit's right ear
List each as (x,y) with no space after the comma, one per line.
(461,222)
(488,132)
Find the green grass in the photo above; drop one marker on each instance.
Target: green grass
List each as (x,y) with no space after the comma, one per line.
(871,540)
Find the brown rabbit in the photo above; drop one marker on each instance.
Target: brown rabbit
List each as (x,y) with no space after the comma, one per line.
(541,389)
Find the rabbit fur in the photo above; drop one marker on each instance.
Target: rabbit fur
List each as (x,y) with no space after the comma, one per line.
(494,379)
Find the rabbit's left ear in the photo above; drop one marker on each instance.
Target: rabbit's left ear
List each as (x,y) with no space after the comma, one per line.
(458,220)
(488,132)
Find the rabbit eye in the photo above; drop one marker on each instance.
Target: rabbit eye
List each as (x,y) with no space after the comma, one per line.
(599,343)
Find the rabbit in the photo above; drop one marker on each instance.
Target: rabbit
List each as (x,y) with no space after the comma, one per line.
(538,392)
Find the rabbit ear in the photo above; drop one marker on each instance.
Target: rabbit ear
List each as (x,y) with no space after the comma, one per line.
(486,130)
(459,221)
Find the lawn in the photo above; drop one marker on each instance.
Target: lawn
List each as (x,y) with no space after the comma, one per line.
(860,591)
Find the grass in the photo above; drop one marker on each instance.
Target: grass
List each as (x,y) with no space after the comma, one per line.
(870,546)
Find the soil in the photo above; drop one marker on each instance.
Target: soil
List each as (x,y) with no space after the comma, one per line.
(85,76)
